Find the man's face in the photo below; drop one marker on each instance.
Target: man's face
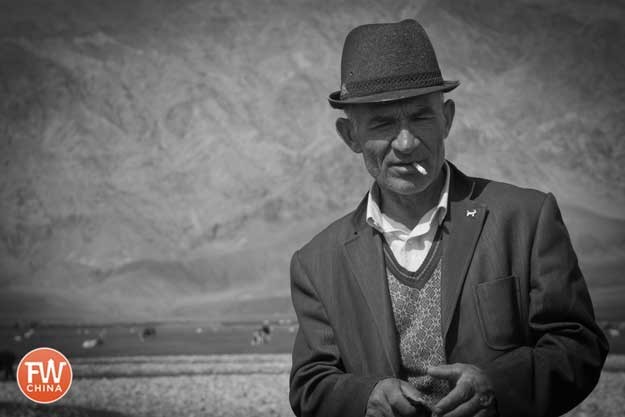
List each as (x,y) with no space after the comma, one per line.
(393,136)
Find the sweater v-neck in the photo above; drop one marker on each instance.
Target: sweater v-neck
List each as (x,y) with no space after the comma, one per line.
(416,279)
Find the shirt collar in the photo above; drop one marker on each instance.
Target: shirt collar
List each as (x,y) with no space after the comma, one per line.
(383,223)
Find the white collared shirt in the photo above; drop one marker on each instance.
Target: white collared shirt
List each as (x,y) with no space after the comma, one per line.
(410,247)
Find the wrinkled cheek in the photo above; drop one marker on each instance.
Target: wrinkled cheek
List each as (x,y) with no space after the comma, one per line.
(373,164)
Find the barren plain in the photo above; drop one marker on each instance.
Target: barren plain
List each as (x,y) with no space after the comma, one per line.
(219,386)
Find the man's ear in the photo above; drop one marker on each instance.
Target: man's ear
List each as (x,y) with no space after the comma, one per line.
(449,109)
(345,129)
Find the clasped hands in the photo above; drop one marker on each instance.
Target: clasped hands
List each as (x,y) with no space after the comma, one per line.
(472,395)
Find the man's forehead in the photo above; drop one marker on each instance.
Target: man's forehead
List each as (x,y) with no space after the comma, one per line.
(426,101)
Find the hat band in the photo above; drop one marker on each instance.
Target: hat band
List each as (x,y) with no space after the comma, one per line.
(393,83)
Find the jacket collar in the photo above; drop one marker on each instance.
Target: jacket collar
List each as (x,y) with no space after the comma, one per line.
(460,189)
(363,249)
(431,218)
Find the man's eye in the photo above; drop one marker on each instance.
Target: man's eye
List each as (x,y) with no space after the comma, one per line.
(424,116)
(381,125)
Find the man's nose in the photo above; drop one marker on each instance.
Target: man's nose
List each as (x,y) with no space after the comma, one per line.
(405,142)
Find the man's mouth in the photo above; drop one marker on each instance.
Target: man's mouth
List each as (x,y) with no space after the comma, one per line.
(412,167)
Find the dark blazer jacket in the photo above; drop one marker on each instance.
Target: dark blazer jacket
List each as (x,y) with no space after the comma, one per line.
(514,303)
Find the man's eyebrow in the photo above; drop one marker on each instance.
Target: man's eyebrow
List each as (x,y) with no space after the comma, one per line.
(417,112)
(382,119)
(421,111)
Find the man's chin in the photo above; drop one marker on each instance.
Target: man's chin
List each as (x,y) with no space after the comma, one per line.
(402,187)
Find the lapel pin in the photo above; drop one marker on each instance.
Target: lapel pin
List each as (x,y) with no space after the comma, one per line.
(471,213)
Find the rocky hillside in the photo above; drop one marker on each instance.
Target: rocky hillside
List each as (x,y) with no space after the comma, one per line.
(164,159)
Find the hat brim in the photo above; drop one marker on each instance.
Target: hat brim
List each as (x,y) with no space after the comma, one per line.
(336,102)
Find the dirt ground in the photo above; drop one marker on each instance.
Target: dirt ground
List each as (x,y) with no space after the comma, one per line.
(220,385)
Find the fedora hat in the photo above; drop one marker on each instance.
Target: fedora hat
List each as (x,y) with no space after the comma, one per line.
(386,62)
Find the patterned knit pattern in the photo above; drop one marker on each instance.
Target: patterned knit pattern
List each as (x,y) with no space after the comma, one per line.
(416,302)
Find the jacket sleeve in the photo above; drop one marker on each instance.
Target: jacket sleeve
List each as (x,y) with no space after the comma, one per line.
(567,349)
(319,385)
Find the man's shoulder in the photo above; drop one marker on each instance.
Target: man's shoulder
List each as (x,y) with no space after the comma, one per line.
(332,236)
(494,193)
(505,194)
(509,202)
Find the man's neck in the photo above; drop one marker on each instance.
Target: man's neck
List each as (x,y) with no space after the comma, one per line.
(408,209)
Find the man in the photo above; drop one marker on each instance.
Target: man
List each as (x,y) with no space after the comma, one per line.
(441,292)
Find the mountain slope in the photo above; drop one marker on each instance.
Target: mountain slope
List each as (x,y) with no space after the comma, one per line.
(166,159)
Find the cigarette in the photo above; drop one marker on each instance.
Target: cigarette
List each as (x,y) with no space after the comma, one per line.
(420,168)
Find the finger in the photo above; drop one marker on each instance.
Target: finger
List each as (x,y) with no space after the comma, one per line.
(459,395)
(378,404)
(385,406)
(380,409)
(467,409)
(402,407)
(377,413)
(411,393)
(450,372)
(488,412)
(397,401)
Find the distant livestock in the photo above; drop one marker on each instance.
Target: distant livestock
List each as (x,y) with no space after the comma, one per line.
(258,338)
(147,332)
(7,360)
(262,335)
(91,343)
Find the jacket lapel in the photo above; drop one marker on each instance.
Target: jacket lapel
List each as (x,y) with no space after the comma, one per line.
(366,260)
(463,225)
(363,250)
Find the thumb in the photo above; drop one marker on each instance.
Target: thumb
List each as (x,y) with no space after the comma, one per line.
(450,372)
(411,393)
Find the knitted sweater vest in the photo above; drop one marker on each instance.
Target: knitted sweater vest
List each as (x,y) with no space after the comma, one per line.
(416,301)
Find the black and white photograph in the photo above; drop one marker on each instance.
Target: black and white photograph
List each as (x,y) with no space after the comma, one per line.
(309,208)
